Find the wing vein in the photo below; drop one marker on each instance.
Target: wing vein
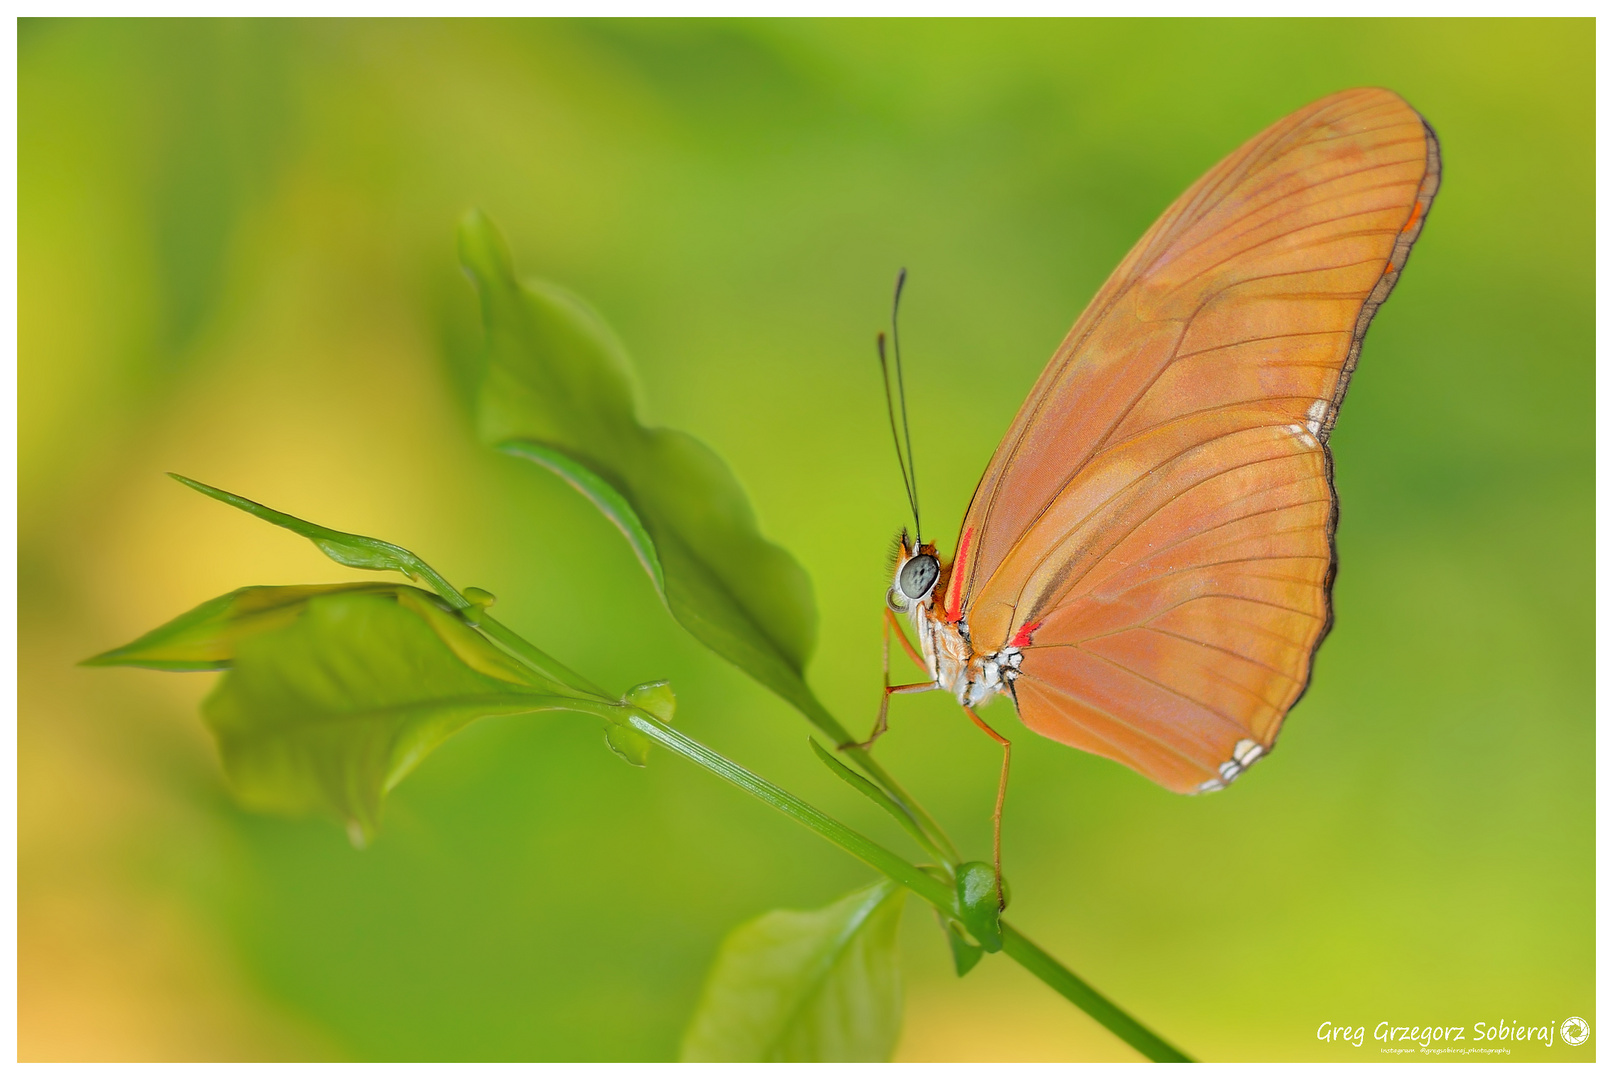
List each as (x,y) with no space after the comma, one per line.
(1173,691)
(1059,691)
(1050,548)
(1258,208)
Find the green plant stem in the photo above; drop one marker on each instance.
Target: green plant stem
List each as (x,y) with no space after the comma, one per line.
(552,669)
(1033,959)
(364,552)
(1018,947)
(847,839)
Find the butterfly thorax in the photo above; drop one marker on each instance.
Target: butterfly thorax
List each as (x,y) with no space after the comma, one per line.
(972,677)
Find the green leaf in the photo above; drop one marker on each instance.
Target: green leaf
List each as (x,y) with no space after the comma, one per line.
(335,700)
(368,553)
(557,390)
(805,985)
(349,549)
(965,953)
(204,638)
(606,499)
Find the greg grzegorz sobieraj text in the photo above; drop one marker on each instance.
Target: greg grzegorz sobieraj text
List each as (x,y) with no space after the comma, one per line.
(1571,1031)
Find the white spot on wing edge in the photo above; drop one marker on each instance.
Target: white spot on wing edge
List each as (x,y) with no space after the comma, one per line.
(1314,414)
(1247,752)
(1244,754)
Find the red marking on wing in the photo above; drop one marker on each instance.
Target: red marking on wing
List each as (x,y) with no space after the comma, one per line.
(1416,213)
(1023,638)
(955,586)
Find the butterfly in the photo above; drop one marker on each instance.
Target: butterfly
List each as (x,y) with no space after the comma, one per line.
(1146,567)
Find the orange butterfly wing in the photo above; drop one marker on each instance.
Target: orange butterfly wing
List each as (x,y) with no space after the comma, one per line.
(1158,521)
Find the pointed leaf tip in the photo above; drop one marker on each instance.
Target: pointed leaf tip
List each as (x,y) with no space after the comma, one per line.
(483,251)
(350,549)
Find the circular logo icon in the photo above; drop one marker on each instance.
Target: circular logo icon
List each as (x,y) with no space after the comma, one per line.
(1575,1031)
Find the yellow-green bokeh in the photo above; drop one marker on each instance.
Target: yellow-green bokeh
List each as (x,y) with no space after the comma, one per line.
(237,261)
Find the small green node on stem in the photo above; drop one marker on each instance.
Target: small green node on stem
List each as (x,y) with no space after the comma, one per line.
(978,908)
(656,698)
(630,744)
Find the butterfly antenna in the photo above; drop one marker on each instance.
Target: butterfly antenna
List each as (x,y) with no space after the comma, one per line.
(890,413)
(901,392)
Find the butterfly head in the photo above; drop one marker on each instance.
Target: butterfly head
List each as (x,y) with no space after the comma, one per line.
(916,569)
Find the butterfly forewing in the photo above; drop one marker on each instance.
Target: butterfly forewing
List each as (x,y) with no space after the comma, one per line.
(1160,515)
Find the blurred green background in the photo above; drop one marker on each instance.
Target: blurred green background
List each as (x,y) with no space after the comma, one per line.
(237,261)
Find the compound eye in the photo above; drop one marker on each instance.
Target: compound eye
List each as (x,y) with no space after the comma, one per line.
(918,576)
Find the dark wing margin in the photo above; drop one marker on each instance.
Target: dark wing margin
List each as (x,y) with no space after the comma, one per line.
(1369,310)
(1386,285)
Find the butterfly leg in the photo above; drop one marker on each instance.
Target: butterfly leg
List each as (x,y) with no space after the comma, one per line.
(883,722)
(996,814)
(907,646)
